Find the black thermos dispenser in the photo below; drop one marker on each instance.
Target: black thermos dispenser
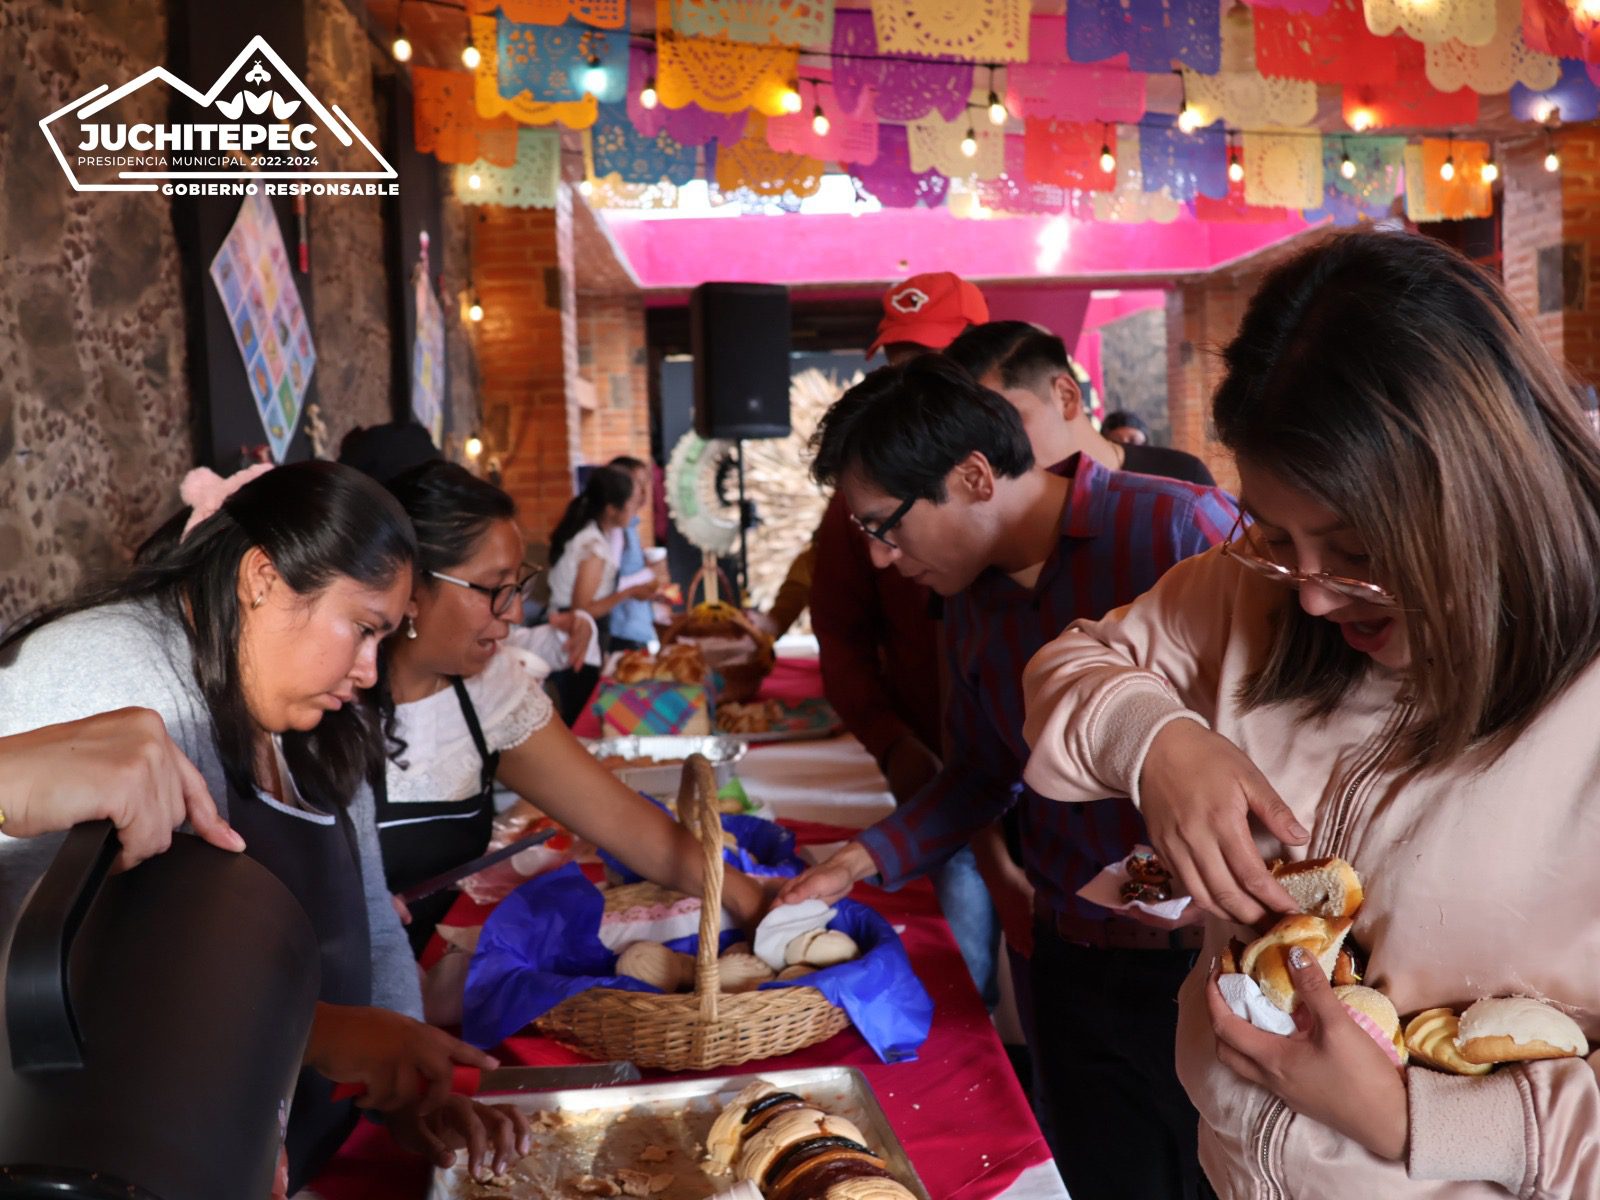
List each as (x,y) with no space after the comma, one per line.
(155,1022)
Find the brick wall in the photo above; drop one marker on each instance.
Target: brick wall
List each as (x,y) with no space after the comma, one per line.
(1202,317)
(612,362)
(527,351)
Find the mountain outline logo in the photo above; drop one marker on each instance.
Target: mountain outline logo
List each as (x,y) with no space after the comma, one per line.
(237,96)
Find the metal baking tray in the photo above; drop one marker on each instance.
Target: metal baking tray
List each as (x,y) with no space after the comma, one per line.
(722,752)
(605,1129)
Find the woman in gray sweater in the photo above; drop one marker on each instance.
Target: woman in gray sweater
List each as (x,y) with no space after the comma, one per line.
(251,633)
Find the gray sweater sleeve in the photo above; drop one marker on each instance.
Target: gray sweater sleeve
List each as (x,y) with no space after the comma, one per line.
(121,656)
(395,984)
(130,655)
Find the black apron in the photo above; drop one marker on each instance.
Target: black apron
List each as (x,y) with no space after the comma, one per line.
(421,839)
(318,861)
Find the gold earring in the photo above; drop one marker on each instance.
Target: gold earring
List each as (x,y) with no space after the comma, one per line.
(411,627)
(260,598)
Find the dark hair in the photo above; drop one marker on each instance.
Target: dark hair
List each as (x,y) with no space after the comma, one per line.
(606,487)
(450,509)
(626,462)
(316,521)
(907,427)
(1391,379)
(1020,351)
(1123,419)
(385,451)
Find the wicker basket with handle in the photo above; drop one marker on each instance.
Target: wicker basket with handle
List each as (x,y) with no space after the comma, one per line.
(706,1028)
(714,617)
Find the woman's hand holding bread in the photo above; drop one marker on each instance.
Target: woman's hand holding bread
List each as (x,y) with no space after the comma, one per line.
(1197,792)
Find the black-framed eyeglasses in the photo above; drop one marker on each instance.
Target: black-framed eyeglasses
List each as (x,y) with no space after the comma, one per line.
(880,532)
(501,598)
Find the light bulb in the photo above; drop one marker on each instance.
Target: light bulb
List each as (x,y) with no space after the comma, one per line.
(1235,170)
(1108,160)
(474,314)
(1589,8)
(474,444)
(594,78)
(1490,171)
(474,181)
(1361,120)
(1448,171)
(648,97)
(1188,119)
(1544,112)
(1552,161)
(791,99)
(470,58)
(1346,167)
(969,144)
(819,122)
(997,111)
(401,49)
(585,187)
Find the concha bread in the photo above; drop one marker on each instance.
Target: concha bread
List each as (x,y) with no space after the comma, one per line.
(821,948)
(1324,887)
(762,1149)
(1518,1029)
(1373,1011)
(653,963)
(1266,959)
(867,1189)
(723,1142)
(1431,1038)
(742,972)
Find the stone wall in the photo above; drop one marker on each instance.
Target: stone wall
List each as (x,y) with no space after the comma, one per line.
(349,297)
(94,404)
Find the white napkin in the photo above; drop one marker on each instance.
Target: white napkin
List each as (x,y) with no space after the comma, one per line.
(1248,1004)
(785,923)
(1105,889)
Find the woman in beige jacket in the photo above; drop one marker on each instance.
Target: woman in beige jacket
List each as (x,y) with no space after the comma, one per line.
(1423,702)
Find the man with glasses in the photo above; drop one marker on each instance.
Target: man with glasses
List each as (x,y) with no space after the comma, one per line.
(939,473)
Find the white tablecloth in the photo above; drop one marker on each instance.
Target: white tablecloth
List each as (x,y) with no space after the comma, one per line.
(833,781)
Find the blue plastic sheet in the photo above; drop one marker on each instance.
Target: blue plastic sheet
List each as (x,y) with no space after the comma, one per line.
(542,945)
(765,847)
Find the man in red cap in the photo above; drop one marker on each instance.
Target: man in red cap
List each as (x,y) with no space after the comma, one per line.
(876,631)
(926,312)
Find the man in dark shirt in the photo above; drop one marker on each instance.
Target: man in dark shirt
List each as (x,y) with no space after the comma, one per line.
(1029,367)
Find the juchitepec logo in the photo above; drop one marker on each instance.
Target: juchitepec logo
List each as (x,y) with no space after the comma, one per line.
(266,134)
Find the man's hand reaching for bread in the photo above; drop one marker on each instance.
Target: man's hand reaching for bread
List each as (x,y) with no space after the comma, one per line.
(1197,793)
(1329,1069)
(831,879)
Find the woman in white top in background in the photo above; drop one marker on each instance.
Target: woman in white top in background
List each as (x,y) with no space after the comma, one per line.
(586,545)
(461,711)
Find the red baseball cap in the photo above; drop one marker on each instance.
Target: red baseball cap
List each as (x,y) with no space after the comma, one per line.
(929,310)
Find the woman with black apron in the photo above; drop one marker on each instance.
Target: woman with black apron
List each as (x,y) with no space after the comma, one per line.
(462,712)
(250,632)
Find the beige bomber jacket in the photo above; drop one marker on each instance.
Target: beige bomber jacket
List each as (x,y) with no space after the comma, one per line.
(1478,883)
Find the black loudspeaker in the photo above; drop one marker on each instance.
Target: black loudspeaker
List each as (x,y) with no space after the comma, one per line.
(739,333)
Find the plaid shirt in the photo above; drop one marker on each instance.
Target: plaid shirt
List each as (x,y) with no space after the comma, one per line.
(1119,534)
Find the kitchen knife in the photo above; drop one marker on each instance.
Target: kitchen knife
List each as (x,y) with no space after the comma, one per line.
(456,874)
(473,1081)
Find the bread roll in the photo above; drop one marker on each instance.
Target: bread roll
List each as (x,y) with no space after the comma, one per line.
(1266,959)
(636,666)
(797,971)
(1324,887)
(1518,1029)
(1375,1014)
(653,963)
(1431,1038)
(867,1189)
(763,1148)
(727,1131)
(821,948)
(742,972)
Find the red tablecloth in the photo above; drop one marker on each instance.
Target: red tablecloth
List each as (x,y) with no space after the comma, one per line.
(957,1109)
(792,680)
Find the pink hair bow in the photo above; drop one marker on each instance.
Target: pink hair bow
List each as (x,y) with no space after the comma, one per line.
(204,491)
